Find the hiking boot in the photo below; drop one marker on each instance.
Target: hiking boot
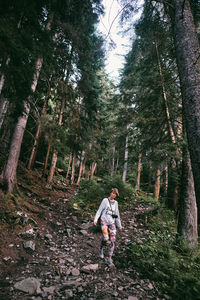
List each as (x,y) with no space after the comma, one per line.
(110,262)
(101,255)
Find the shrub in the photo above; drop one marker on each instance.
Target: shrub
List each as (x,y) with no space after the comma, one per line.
(92,192)
(174,272)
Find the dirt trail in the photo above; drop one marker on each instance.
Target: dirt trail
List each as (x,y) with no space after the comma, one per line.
(65,262)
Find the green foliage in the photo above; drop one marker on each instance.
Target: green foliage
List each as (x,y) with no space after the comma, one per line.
(174,272)
(142,196)
(92,193)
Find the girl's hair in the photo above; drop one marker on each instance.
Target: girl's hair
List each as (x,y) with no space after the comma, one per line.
(115,190)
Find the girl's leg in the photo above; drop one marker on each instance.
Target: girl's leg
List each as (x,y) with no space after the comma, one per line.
(104,228)
(105,239)
(112,231)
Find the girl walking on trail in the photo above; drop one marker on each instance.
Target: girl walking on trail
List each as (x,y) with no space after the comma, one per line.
(108,213)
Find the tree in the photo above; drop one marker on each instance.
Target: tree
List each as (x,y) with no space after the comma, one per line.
(187,54)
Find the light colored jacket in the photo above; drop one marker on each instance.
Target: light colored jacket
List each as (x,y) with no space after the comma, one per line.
(105,210)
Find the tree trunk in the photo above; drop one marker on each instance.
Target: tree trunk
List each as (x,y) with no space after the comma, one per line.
(157,184)
(92,168)
(166,180)
(187,219)
(187,54)
(53,166)
(9,172)
(81,167)
(112,162)
(139,171)
(69,165)
(2,80)
(84,166)
(55,153)
(125,160)
(36,142)
(171,131)
(73,167)
(50,139)
(117,163)
(3,110)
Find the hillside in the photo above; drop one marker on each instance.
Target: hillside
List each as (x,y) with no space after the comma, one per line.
(62,247)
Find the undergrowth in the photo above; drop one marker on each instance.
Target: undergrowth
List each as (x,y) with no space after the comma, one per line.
(91,193)
(175,270)
(158,255)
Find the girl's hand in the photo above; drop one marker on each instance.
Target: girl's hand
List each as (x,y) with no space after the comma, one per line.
(95,223)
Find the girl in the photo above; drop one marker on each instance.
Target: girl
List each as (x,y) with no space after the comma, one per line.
(110,219)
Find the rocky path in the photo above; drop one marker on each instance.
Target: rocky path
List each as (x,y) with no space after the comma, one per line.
(60,261)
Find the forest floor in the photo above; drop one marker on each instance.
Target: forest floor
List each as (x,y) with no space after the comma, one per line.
(50,251)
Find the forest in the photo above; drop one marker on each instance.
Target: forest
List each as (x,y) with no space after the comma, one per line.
(63,119)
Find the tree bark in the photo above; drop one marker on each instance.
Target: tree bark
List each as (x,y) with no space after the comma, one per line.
(36,141)
(139,171)
(50,139)
(3,110)
(92,169)
(187,54)
(187,218)
(53,166)
(112,162)
(2,80)
(69,165)
(55,153)
(166,180)
(9,172)
(73,167)
(171,131)
(80,168)
(157,184)
(125,160)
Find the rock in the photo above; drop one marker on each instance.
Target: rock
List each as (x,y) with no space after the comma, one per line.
(49,290)
(53,249)
(70,260)
(133,298)
(21,218)
(150,286)
(75,272)
(68,294)
(30,285)
(29,245)
(69,284)
(29,234)
(85,226)
(90,268)
(7,259)
(58,224)
(83,232)
(80,289)
(48,236)
(69,232)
